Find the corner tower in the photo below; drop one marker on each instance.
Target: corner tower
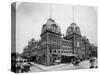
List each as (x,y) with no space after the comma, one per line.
(50,39)
(73,33)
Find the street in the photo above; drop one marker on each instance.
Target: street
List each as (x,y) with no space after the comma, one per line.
(59,67)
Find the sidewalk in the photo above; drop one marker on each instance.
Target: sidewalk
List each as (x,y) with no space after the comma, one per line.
(63,67)
(59,67)
(43,67)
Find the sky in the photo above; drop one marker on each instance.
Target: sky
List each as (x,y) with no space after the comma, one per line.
(30,18)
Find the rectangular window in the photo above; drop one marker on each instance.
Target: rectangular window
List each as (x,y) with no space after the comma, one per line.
(50,50)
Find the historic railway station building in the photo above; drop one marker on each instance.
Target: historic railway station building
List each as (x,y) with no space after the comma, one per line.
(54,48)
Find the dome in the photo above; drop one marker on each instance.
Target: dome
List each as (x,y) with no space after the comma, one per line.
(51,26)
(73,28)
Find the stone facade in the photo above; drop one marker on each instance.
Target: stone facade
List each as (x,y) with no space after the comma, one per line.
(55,49)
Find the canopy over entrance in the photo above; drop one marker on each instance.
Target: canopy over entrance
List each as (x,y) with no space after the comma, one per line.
(67,58)
(69,55)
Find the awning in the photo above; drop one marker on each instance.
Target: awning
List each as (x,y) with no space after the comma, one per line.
(69,54)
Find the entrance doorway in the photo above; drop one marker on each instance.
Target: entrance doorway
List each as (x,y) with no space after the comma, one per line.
(66,59)
(33,58)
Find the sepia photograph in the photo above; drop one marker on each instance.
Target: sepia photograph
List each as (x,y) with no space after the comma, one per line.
(53,37)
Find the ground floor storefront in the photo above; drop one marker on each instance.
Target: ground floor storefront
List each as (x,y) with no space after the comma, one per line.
(54,59)
(67,59)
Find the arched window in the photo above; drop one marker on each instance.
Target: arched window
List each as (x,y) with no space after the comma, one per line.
(55,51)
